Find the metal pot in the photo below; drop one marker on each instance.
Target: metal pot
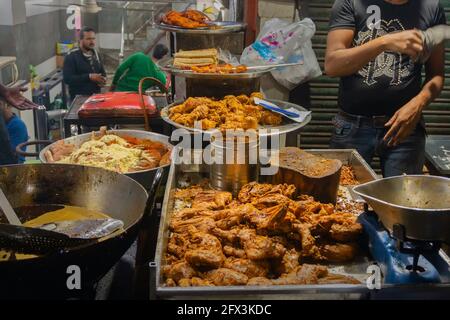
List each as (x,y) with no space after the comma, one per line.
(93,188)
(416,207)
(144,177)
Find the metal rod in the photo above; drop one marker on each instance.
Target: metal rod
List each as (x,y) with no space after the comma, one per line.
(8,210)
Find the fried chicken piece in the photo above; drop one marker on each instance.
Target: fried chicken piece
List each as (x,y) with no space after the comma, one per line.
(178,271)
(271,200)
(230,251)
(208,124)
(309,247)
(199,282)
(197,218)
(211,199)
(177,245)
(250,123)
(188,19)
(248,267)
(290,261)
(226,277)
(259,247)
(346,232)
(201,224)
(257,95)
(339,252)
(227,218)
(195,15)
(271,219)
(253,190)
(243,99)
(60,150)
(170,283)
(200,112)
(227,236)
(259,281)
(205,251)
(305,274)
(270,118)
(194,282)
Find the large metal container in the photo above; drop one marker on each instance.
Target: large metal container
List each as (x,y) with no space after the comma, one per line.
(144,177)
(238,165)
(181,175)
(418,205)
(61,184)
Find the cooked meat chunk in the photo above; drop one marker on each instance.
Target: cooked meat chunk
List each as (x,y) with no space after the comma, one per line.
(259,281)
(234,252)
(253,191)
(346,232)
(290,261)
(305,274)
(248,267)
(205,251)
(339,252)
(260,247)
(211,199)
(178,271)
(226,277)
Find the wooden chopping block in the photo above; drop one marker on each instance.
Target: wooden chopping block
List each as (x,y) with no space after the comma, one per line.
(312,175)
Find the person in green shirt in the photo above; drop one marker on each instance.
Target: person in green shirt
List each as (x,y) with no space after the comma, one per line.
(132,70)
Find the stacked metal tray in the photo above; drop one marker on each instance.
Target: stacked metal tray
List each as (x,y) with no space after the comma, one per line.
(167,66)
(286,127)
(216,28)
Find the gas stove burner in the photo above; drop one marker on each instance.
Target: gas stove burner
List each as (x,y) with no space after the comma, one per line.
(404,260)
(413,247)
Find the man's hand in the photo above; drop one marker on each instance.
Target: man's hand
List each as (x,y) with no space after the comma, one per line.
(13,96)
(408,42)
(403,122)
(98,78)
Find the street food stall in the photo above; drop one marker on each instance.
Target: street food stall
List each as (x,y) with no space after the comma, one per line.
(264,219)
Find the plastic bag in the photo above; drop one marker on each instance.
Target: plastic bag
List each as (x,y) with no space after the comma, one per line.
(283,42)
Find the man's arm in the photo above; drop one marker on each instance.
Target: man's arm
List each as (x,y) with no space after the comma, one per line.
(343,60)
(13,96)
(405,120)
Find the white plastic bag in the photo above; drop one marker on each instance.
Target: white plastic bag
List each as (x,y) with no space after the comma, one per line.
(283,42)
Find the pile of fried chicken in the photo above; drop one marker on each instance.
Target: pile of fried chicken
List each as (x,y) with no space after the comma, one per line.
(264,237)
(232,112)
(188,19)
(348,177)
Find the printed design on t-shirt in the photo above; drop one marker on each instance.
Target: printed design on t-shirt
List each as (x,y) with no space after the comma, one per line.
(389,64)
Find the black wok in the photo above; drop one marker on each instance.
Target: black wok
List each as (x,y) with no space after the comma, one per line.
(114,194)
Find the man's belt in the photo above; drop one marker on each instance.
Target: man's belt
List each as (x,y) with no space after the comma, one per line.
(372,121)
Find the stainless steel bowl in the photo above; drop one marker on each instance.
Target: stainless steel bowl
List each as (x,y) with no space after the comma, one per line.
(421,204)
(144,177)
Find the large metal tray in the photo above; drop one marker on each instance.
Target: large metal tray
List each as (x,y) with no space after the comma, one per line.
(181,175)
(286,127)
(220,27)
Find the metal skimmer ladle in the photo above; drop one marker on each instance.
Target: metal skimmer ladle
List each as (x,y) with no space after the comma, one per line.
(51,237)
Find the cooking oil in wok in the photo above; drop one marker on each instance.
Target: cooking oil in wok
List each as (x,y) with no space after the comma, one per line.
(46,214)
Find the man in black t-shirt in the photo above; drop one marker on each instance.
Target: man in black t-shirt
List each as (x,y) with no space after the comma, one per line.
(374,46)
